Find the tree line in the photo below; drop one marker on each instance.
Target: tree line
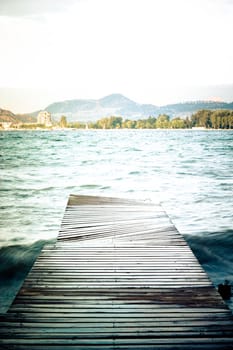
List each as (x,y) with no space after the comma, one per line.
(218,119)
(161,122)
(210,119)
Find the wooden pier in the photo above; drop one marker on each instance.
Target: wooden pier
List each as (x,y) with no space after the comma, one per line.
(120,276)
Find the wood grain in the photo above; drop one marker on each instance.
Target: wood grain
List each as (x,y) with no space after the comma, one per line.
(120,276)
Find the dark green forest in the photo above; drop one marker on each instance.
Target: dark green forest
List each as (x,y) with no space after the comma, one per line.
(218,119)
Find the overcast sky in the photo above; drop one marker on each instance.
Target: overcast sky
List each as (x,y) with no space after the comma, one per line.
(153,51)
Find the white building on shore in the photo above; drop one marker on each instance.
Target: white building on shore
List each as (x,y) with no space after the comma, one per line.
(44,118)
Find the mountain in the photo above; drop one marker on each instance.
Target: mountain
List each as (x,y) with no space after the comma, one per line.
(9,117)
(188,108)
(112,105)
(119,105)
(115,104)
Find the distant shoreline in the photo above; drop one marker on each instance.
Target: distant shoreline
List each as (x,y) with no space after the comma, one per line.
(115,129)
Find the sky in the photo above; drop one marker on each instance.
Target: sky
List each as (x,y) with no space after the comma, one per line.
(152,51)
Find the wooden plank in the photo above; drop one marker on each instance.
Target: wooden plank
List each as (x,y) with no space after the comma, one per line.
(120,276)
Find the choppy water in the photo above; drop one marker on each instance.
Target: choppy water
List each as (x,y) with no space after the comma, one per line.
(189,172)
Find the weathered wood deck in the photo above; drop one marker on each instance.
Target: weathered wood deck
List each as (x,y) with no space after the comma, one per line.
(119,277)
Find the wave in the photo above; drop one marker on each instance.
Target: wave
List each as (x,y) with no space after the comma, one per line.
(214,251)
(15,263)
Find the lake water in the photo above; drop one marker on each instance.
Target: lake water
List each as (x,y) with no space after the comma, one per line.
(189,172)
